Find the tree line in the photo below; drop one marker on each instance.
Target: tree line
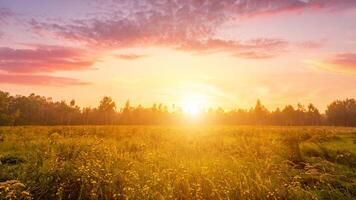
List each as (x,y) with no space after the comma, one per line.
(39,110)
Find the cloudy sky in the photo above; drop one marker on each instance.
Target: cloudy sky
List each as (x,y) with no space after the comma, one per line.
(228,52)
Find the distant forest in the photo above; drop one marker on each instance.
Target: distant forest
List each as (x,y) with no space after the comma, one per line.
(39,110)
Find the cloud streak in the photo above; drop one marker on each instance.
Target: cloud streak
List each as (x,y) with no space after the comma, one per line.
(44,59)
(130,56)
(41,80)
(311,44)
(252,49)
(34,64)
(257,8)
(341,63)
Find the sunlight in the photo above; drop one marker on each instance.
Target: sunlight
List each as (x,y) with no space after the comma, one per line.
(193,104)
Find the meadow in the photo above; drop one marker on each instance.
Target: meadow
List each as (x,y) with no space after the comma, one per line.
(177,162)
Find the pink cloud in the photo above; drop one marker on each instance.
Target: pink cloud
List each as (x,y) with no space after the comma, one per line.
(257,8)
(252,49)
(43,80)
(344,60)
(172,24)
(255,55)
(311,44)
(341,62)
(130,56)
(44,59)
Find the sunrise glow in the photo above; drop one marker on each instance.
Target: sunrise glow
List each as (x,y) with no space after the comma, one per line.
(194,104)
(233,52)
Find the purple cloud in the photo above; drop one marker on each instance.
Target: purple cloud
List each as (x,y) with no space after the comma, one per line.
(5,14)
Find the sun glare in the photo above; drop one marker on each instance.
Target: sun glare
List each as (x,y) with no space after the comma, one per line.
(193,104)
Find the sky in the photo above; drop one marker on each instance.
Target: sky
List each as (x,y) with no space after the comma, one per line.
(224,53)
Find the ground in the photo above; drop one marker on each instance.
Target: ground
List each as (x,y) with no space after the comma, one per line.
(177,162)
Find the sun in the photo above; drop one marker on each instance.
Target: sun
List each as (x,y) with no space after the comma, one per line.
(194,104)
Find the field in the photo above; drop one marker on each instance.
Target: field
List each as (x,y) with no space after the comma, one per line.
(171,162)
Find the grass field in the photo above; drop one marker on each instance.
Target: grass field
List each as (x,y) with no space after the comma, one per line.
(190,162)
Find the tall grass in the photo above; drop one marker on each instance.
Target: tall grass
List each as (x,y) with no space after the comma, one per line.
(192,162)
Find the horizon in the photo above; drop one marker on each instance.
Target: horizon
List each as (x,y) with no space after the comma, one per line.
(186,107)
(227,54)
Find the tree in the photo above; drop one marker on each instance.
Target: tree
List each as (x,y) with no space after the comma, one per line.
(107,108)
(259,113)
(288,115)
(39,110)
(5,102)
(313,115)
(342,112)
(126,113)
(72,103)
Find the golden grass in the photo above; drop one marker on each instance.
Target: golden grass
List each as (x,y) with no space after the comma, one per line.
(178,162)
